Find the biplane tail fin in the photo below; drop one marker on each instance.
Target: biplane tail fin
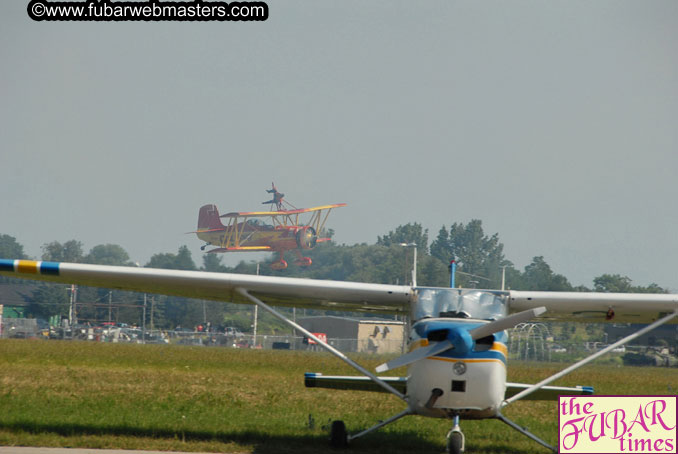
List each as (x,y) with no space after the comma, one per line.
(208,218)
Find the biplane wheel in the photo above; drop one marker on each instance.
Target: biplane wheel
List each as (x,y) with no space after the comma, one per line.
(303,261)
(338,435)
(280,265)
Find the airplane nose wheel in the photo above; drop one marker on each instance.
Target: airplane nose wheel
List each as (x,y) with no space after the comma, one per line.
(455,439)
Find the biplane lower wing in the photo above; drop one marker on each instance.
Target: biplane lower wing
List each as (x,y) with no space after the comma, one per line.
(241,249)
(281,291)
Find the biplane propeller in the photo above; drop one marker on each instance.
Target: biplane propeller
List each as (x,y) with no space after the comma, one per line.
(248,231)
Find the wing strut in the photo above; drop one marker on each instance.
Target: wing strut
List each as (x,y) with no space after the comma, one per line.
(329,348)
(588,359)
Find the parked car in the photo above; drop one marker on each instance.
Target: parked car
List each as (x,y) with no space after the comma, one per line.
(233,332)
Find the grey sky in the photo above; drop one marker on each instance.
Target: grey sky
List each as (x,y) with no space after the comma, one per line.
(552,122)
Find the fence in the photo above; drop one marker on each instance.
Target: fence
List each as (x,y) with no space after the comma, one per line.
(526,343)
(28,328)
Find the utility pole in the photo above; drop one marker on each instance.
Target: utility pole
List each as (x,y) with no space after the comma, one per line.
(143,323)
(256,316)
(72,315)
(152,310)
(414,264)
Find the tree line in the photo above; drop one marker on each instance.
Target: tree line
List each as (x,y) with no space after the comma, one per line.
(480,262)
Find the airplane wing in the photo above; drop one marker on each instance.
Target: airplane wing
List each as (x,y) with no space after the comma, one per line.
(596,307)
(547,392)
(358,383)
(246,214)
(280,291)
(241,249)
(351,382)
(333,295)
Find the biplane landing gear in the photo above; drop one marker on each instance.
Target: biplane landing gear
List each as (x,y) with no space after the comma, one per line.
(279,265)
(455,438)
(303,261)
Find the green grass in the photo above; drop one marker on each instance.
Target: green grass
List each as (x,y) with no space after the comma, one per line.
(155,397)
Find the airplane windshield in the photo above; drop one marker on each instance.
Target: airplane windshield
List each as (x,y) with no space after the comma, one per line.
(458,303)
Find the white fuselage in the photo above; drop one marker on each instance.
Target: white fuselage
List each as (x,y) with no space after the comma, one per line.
(473,384)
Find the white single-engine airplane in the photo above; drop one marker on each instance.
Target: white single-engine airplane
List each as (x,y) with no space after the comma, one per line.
(457,363)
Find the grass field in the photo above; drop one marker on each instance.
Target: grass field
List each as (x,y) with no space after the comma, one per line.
(156,397)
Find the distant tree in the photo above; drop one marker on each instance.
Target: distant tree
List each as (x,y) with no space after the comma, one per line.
(475,252)
(49,299)
(441,247)
(539,276)
(108,254)
(432,272)
(70,251)
(182,260)
(615,283)
(652,288)
(612,283)
(212,262)
(10,248)
(176,311)
(405,234)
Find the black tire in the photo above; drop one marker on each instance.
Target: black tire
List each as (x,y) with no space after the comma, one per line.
(455,443)
(338,435)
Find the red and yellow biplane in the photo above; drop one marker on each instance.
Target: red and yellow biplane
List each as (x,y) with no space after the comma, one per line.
(247,232)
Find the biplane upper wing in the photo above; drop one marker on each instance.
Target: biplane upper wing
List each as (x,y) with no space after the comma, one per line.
(281,291)
(252,214)
(596,307)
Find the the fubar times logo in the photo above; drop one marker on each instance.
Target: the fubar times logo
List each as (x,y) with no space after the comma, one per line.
(617,424)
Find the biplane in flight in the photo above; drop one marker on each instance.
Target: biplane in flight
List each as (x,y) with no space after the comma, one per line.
(248,231)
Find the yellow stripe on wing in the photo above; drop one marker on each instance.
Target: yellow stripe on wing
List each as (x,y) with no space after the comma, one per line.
(27,266)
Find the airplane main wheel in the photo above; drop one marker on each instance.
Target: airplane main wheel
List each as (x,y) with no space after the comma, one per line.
(338,435)
(455,443)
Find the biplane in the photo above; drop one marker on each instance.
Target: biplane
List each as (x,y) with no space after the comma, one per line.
(248,231)
(456,367)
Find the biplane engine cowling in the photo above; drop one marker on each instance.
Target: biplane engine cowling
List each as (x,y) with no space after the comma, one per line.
(306,238)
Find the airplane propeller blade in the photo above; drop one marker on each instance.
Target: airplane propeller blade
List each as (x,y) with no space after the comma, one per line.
(505,323)
(415,355)
(461,337)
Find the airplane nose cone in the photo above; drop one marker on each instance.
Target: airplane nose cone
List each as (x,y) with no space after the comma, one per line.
(461,339)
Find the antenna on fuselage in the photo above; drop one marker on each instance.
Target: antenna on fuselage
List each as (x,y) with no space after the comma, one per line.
(453,271)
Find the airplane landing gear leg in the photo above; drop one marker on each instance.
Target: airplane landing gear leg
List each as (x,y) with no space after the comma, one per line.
(281,264)
(525,432)
(455,438)
(350,438)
